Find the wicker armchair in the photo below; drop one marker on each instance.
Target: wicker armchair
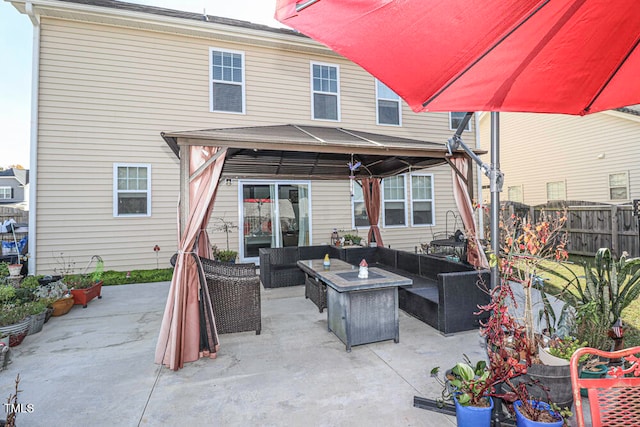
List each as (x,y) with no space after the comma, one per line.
(235,295)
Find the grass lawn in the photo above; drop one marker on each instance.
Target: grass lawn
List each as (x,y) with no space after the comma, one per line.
(112,277)
(630,316)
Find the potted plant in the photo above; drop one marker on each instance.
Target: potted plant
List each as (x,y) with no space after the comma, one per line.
(352,239)
(226,256)
(85,287)
(593,368)
(14,269)
(526,249)
(607,288)
(468,386)
(37,311)
(14,319)
(226,227)
(509,352)
(559,351)
(57,295)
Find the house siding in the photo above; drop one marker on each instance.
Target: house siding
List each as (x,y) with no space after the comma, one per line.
(105,94)
(581,151)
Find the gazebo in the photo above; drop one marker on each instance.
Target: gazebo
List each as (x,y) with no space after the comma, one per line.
(283,151)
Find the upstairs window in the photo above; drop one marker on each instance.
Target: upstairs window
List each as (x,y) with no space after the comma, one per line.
(422,199)
(227,81)
(455,119)
(619,186)
(131,190)
(387,105)
(6,193)
(394,209)
(325,86)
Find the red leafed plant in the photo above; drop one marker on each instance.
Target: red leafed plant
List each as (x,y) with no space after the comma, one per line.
(512,345)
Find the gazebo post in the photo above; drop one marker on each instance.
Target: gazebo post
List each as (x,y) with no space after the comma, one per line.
(185,160)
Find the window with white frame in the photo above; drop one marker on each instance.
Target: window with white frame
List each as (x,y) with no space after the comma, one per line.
(6,193)
(325,85)
(455,119)
(514,193)
(394,201)
(359,210)
(389,111)
(227,81)
(131,189)
(422,200)
(556,191)
(618,186)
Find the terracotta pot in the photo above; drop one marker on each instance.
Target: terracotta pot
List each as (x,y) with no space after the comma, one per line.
(83,296)
(14,269)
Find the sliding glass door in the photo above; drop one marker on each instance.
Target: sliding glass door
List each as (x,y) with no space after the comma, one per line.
(274,214)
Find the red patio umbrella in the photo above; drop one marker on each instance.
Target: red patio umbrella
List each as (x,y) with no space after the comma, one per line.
(546,56)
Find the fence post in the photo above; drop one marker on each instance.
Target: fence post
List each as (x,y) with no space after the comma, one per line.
(614,230)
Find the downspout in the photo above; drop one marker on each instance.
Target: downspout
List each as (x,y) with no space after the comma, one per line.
(479,178)
(33,152)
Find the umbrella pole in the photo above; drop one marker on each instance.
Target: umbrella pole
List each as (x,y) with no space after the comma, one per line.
(496,179)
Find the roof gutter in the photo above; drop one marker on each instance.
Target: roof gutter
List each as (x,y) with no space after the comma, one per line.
(33,152)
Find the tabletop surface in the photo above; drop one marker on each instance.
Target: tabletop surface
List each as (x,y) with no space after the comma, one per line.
(343,281)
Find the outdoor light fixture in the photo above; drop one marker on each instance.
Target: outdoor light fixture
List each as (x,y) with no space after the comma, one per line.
(227,181)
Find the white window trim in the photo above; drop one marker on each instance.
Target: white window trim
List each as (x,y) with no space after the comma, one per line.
(626,185)
(115,189)
(379,98)
(466,129)
(404,200)
(337,94)
(433,200)
(241,53)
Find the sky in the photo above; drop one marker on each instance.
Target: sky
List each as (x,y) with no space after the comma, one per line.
(16,33)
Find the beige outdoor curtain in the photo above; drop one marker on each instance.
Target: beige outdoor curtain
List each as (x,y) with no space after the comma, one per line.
(188,328)
(371,192)
(475,253)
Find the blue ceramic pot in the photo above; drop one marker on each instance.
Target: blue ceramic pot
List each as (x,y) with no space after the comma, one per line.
(522,421)
(473,416)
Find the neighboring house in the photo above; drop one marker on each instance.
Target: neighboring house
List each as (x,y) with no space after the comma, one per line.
(548,157)
(14,188)
(112,76)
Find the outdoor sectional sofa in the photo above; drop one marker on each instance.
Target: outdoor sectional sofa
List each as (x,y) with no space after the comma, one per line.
(445,294)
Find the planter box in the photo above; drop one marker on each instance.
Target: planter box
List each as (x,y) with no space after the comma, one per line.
(83,296)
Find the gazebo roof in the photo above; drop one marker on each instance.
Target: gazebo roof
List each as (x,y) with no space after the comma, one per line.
(317,152)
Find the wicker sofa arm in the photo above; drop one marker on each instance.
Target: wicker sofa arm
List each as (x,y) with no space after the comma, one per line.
(459,295)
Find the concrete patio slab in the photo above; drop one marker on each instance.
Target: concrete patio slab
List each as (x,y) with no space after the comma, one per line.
(95,367)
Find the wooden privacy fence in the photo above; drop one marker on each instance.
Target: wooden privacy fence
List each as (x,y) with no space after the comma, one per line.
(18,215)
(590,226)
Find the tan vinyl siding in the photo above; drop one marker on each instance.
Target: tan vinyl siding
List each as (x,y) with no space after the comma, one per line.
(536,149)
(107,92)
